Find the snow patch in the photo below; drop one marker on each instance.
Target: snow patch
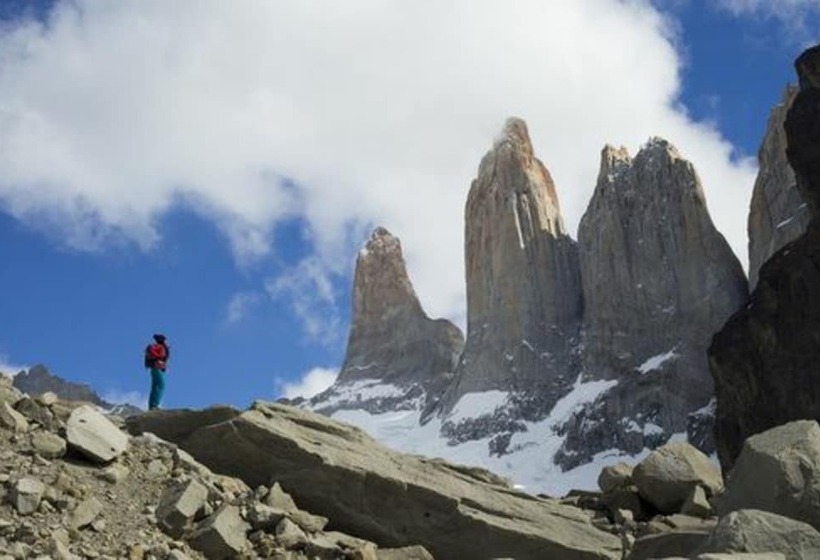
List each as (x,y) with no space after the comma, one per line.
(473,405)
(360,391)
(657,361)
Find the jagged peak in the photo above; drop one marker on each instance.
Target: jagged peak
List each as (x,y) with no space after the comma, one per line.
(613,162)
(381,241)
(515,135)
(657,145)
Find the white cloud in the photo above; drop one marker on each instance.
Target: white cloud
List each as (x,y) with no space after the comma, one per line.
(800,18)
(344,114)
(240,305)
(312,383)
(9,367)
(134,398)
(308,290)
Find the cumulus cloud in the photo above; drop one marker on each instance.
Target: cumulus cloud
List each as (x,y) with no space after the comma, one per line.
(311,383)
(801,18)
(342,114)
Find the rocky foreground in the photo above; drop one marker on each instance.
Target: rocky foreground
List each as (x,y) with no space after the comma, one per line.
(222,483)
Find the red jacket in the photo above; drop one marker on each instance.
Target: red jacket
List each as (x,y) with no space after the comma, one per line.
(156,356)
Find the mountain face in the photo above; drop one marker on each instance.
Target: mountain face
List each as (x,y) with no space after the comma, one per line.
(576,353)
(392,342)
(658,280)
(764,360)
(523,284)
(778,214)
(38,380)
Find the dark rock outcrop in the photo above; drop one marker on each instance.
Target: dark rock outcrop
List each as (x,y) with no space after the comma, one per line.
(38,380)
(393,344)
(777,214)
(764,359)
(523,286)
(338,471)
(658,279)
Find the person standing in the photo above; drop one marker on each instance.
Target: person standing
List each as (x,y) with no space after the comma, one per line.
(156,360)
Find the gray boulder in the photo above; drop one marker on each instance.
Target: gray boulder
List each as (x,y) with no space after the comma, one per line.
(778,471)
(759,531)
(179,504)
(222,535)
(392,499)
(12,419)
(26,495)
(668,476)
(93,435)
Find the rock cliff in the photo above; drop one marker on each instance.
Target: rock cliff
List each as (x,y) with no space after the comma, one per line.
(523,285)
(658,280)
(763,360)
(777,214)
(397,357)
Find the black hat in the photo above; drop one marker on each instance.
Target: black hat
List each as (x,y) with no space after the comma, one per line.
(159,338)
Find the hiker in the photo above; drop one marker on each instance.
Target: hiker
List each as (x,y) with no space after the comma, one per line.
(156,359)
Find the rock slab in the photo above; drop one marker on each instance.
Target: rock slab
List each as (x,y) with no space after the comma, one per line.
(393,499)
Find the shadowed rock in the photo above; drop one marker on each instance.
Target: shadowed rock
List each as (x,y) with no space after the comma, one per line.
(764,359)
(777,214)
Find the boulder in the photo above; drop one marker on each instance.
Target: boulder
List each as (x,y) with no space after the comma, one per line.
(179,504)
(85,513)
(37,413)
(48,445)
(615,476)
(12,419)
(338,471)
(26,495)
(778,471)
(405,553)
(94,436)
(759,531)
(667,477)
(222,535)
(669,543)
(697,504)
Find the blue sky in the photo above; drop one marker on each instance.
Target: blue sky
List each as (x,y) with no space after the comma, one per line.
(210,171)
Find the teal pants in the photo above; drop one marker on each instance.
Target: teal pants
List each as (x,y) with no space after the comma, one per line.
(157,388)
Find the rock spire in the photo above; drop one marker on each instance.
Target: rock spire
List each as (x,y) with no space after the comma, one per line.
(658,280)
(523,285)
(392,341)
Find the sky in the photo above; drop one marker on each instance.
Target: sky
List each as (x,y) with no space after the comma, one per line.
(209,170)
